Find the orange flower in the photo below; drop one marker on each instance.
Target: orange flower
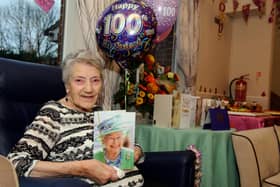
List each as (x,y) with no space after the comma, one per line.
(149,59)
(150,78)
(152,87)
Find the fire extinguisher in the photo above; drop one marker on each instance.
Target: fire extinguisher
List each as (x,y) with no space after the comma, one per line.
(240,88)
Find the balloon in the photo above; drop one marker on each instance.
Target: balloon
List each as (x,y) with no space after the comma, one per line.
(126,29)
(166,14)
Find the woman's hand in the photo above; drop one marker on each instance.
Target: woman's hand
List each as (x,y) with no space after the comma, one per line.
(137,153)
(99,172)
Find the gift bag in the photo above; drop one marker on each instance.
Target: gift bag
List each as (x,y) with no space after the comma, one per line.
(213,115)
(219,119)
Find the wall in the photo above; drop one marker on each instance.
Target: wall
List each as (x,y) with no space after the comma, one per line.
(214,51)
(251,52)
(275,85)
(244,48)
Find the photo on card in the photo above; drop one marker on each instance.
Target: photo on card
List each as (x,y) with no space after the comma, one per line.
(114,135)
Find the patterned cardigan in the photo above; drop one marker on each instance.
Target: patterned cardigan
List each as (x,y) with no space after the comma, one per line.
(56,134)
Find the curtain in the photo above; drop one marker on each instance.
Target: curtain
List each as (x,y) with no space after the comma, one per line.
(89,12)
(187,44)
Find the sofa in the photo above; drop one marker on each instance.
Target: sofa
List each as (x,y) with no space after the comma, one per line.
(24,87)
(257,156)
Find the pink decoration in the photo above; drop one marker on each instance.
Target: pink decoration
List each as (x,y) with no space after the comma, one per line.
(46,5)
(198,166)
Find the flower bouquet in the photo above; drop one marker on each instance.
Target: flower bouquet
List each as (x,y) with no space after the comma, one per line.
(141,84)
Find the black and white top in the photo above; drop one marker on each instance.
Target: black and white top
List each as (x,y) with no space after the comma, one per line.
(56,134)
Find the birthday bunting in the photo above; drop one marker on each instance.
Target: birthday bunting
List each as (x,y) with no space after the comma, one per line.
(274,14)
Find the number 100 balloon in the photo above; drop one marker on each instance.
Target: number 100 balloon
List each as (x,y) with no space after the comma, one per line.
(126,29)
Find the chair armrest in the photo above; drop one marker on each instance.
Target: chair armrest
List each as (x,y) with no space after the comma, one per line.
(52,182)
(172,168)
(8,176)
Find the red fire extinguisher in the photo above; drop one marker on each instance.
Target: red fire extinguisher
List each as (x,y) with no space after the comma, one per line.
(240,88)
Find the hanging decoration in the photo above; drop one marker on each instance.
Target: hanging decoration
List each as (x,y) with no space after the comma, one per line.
(220,19)
(235,4)
(246,12)
(46,5)
(275,13)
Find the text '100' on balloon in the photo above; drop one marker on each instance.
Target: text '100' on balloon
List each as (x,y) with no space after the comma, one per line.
(126,29)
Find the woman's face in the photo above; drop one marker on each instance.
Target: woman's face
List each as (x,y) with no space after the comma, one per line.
(113,142)
(84,86)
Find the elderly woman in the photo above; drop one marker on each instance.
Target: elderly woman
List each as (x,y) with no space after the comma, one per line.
(59,142)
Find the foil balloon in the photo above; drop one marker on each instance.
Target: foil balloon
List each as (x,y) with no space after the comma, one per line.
(166,14)
(126,29)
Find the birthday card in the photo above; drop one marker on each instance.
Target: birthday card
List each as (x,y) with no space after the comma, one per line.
(114,134)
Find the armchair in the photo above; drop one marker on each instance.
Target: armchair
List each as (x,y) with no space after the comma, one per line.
(257,156)
(25,86)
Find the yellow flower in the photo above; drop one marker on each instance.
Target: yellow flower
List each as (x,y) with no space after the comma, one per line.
(170,75)
(142,94)
(130,92)
(139,101)
(150,96)
(131,86)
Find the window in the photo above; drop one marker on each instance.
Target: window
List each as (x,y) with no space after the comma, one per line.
(32,30)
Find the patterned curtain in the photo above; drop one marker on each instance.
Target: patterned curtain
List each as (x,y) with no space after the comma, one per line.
(89,12)
(186,49)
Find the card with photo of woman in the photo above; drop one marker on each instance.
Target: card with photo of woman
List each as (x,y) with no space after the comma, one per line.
(114,134)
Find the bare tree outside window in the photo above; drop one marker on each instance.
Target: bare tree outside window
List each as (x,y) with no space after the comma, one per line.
(29,33)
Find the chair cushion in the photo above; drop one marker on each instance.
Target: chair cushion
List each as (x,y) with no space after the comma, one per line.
(274,180)
(257,155)
(24,87)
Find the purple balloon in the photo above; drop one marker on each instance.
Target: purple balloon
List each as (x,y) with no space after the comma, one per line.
(126,29)
(166,14)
